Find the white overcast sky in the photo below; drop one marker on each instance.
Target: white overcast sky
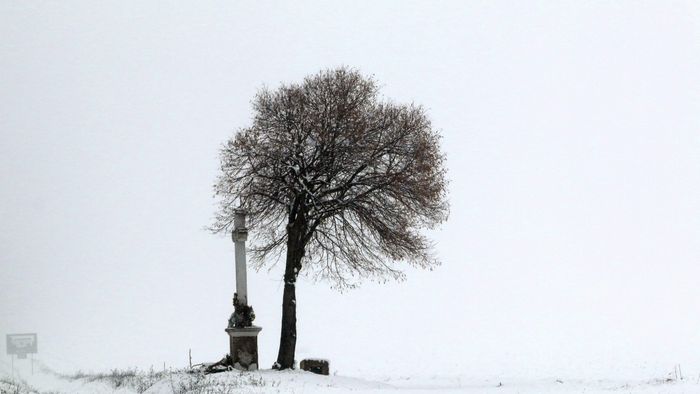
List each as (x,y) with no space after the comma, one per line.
(572,131)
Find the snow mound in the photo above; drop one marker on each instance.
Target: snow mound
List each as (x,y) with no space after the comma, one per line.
(132,381)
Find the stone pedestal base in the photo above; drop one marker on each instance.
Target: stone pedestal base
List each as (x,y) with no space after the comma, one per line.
(244,347)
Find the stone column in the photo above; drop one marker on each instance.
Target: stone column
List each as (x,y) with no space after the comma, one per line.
(243,335)
(239,236)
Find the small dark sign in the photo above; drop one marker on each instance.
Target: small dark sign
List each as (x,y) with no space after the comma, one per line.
(316,366)
(21,344)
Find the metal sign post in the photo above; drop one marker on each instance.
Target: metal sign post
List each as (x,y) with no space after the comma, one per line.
(20,345)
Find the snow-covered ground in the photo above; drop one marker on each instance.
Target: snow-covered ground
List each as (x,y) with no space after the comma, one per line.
(44,380)
(569,262)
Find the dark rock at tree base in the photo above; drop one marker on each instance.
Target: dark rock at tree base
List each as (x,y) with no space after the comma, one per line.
(320,367)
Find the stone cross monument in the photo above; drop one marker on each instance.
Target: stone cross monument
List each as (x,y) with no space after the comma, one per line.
(239,236)
(243,335)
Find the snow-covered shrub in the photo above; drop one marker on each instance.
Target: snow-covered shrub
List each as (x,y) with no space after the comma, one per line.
(15,386)
(134,379)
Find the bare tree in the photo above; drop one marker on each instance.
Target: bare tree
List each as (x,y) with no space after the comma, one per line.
(339,179)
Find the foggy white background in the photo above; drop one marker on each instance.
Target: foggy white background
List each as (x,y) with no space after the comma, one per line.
(572,131)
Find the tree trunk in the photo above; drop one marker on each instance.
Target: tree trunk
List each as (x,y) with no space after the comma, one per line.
(288,335)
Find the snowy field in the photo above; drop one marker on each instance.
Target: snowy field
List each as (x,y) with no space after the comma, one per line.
(43,380)
(569,261)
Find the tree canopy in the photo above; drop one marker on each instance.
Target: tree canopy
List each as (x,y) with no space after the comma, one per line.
(363,174)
